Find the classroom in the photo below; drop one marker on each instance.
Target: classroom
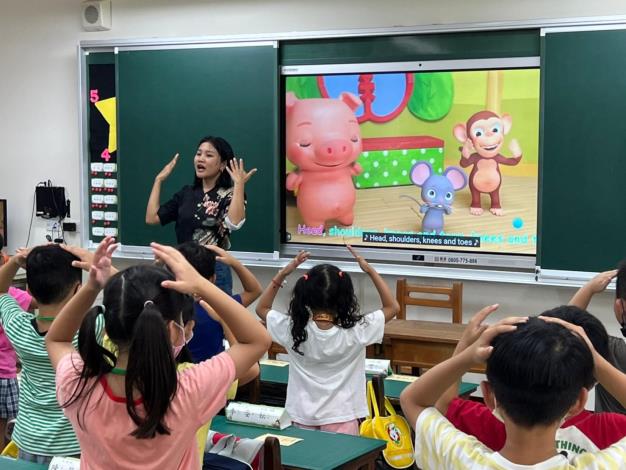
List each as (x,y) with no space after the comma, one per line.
(561,224)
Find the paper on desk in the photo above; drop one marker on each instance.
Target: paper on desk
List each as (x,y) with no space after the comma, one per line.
(64,463)
(402,378)
(261,415)
(285,441)
(377,366)
(274,362)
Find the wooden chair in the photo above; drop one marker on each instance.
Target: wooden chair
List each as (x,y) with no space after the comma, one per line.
(271,454)
(274,349)
(408,294)
(454,300)
(271,457)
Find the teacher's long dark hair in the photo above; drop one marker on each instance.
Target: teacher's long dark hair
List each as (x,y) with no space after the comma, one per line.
(226,155)
(140,326)
(323,289)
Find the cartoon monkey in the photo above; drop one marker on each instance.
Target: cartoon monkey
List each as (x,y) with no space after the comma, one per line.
(483,134)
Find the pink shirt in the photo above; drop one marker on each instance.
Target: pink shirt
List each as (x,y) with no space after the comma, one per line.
(8,359)
(104,430)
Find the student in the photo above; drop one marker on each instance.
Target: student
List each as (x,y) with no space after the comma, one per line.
(142,413)
(22,297)
(41,431)
(210,209)
(9,393)
(537,371)
(325,336)
(617,346)
(208,330)
(184,361)
(584,432)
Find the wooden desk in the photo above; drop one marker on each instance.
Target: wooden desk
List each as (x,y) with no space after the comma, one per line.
(425,344)
(317,450)
(393,388)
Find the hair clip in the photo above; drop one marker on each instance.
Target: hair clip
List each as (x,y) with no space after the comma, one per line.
(148,303)
(306,277)
(340,273)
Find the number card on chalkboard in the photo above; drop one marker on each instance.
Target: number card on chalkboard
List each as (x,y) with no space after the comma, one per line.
(103,163)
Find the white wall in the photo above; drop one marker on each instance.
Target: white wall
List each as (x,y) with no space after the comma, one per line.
(38,87)
(38,84)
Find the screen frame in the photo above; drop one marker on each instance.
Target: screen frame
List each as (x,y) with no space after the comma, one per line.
(3,213)
(415,256)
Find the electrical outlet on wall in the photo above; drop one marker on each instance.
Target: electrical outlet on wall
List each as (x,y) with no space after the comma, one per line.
(52,225)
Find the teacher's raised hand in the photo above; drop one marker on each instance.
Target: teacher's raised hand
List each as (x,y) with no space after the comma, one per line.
(167,169)
(152,210)
(237,172)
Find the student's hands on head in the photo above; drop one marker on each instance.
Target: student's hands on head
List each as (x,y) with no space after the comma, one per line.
(295,262)
(101,268)
(480,350)
(600,281)
(237,172)
(222,255)
(363,264)
(167,169)
(188,280)
(20,256)
(577,330)
(85,256)
(476,327)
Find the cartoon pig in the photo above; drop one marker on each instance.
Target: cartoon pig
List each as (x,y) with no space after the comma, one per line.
(323,141)
(437,193)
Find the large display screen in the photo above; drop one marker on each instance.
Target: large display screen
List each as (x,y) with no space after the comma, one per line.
(443,160)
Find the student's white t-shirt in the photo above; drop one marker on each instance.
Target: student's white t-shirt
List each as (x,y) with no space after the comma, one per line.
(438,444)
(327,382)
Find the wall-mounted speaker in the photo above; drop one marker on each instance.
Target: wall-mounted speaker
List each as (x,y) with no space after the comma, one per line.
(96,15)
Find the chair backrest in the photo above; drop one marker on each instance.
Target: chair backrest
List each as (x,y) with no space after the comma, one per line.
(271,454)
(408,294)
(275,349)
(225,450)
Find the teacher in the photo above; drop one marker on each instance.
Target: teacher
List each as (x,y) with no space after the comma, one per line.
(212,207)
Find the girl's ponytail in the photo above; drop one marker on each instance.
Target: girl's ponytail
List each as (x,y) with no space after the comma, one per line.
(140,328)
(151,371)
(97,360)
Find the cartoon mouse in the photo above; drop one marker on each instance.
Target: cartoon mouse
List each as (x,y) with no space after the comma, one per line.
(437,193)
(483,134)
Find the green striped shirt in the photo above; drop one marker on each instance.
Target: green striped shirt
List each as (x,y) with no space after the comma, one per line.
(41,426)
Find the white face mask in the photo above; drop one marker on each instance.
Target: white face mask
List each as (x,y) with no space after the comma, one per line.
(178,348)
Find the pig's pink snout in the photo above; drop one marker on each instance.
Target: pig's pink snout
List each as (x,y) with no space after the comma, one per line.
(334,149)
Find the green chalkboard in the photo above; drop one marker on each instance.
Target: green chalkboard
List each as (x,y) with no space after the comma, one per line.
(583,195)
(168,99)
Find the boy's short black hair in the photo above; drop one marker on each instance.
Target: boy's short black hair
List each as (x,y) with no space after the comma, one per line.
(201,258)
(593,327)
(50,274)
(620,282)
(188,309)
(537,372)
(1,241)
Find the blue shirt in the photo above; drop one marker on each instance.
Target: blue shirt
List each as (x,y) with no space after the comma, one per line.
(208,335)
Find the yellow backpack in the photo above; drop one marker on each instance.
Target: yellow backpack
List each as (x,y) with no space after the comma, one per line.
(392,428)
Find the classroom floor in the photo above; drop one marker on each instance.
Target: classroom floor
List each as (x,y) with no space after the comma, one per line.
(382,208)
